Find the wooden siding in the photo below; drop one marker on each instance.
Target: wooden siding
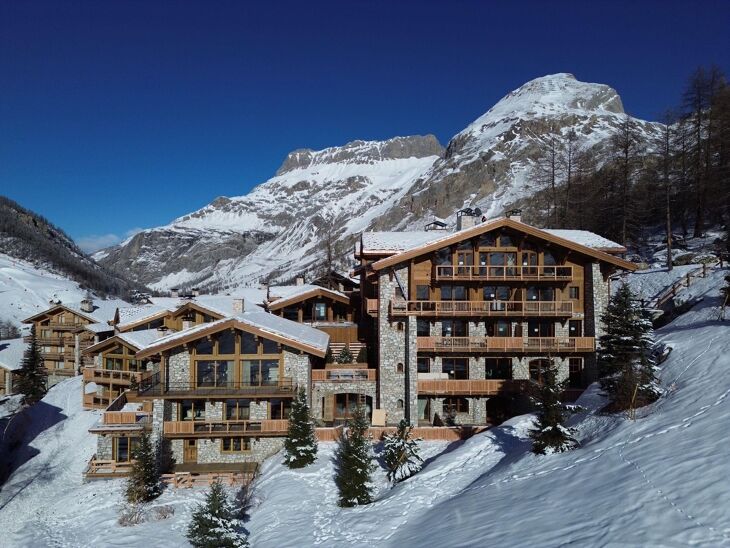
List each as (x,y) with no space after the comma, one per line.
(468,387)
(506,344)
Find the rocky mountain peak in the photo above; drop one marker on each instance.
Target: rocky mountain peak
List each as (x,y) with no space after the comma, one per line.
(364,152)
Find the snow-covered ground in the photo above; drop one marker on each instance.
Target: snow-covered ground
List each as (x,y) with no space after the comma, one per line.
(656,481)
(25,289)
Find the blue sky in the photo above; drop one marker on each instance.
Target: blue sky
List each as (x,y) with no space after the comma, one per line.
(117,115)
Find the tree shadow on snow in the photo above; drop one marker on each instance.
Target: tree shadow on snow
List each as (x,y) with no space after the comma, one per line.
(17,435)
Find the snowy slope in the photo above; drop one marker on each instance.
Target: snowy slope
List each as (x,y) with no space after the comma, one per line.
(656,481)
(25,289)
(278,230)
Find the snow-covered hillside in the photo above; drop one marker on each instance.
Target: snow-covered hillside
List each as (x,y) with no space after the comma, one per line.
(279,228)
(25,289)
(656,481)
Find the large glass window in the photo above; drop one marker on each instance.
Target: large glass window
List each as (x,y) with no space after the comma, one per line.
(214,373)
(496,293)
(124,448)
(422,293)
(423,364)
(535,293)
(453,292)
(423,327)
(291,313)
(249,344)
(538,368)
(320,312)
(454,328)
(235,445)
(191,410)
(227,343)
(498,368)
(540,328)
(269,347)
(279,409)
(456,368)
(260,372)
(238,410)
(456,404)
(499,328)
(204,346)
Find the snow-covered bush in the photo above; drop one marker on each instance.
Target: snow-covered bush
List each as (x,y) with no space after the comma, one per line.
(400,453)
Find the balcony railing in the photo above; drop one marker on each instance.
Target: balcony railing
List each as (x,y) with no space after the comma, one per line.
(57,325)
(50,341)
(344,375)
(468,387)
(153,387)
(96,401)
(114,376)
(496,273)
(126,418)
(482,308)
(106,468)
(263,427)
(506,344)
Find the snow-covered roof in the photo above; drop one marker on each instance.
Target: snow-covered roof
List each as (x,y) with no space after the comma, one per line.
(103,311)
(281,293)
(398,241)
(584,237)
(134,314)
(258,319)
(11,353)
(98,327)
(140,339)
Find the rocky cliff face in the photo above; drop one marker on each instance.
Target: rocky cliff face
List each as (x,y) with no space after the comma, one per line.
(281,226)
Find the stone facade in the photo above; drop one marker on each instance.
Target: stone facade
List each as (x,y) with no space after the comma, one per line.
(178,368)
(296,366)
(597,295)
(323,389)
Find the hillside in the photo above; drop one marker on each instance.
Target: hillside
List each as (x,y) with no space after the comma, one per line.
(28,237)
(281,227)
(656,481)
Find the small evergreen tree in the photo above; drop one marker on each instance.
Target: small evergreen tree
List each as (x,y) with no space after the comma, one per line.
(214,524)
(400,453)
(32,377)
(354,462)
(626,365)
(328,357)
(143,483)
(362,355)
(345,356)
(550,436)
(300,445)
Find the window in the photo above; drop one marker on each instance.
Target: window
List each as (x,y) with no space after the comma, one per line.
(191,410)
(575,328)
(235,445)
(423,327)
(496,293)
(548,259)
(227,343)
(422,293)
(249,344)
(537,369)
(216,373)
(574,292)
(269,347)
(487,240)
(345,405)
(260,372)
(238,410)
(320,312)
(424,365)
(456,368)
(453,292)
(399,367)
(505,240)
(443,256)
(575,368)
(124,447)
(456,404)
(499,328)
(498,368)
(291,313)
(454,328)
(204,346)
(279,409)
(540,328)
(502,264)
(535,293)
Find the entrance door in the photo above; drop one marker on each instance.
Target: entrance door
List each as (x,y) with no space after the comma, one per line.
(190,451)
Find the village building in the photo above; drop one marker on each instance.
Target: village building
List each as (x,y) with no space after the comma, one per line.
(11,360)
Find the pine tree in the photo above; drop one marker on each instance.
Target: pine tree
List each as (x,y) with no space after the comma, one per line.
(300,445)
(32,378)
(400,453)
(624,357)
(550,436)
(353,462)
(345,356)
(143,483)
(214,524)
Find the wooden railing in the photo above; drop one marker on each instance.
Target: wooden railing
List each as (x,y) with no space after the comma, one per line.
(112,375)
(125,417)
(506,344)
(225,428)
(482,308)
(151,386)
(468,387)
(106,468)
(527,273)
(53,341)
(185,480)
(96,401)
(56,325)
(344,374)
(371,306)
(376,433)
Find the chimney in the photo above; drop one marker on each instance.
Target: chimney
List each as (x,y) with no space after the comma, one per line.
(467,218)
(195,292)
(300,280)
(515,215)
(175,292)
(87,305)
(238,306)
(162,331)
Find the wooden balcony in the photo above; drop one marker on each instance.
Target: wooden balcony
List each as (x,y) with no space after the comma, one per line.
(50,341)
(506,344)
(468,387)
(64,326)
(152,387)
(111,376)
(505,273)
(344,374)
(218,428)
(482,308)
(100,469)
(371,307)
(95,401)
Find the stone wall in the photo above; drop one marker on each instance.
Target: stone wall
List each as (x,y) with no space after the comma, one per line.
(296,366)
(178,368)
(323,389)
(103,447)
(597,295)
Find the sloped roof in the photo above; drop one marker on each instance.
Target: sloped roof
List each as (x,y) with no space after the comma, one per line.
(281,295)
(454,237)
(284,331)
(11,353)
(134,339)
(103,311)
(98,327)
(586,238)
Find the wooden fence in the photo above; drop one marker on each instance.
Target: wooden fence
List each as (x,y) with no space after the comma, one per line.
(428,433)
(186,480)
(668,294)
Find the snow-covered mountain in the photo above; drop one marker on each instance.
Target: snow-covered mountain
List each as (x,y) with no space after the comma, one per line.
(280,227)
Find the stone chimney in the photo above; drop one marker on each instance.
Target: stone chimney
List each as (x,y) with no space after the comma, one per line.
(515,215)
(195,292)
(162,331)
(467,218)
(87,305)
(175,292)
(300,280)
(239,305)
